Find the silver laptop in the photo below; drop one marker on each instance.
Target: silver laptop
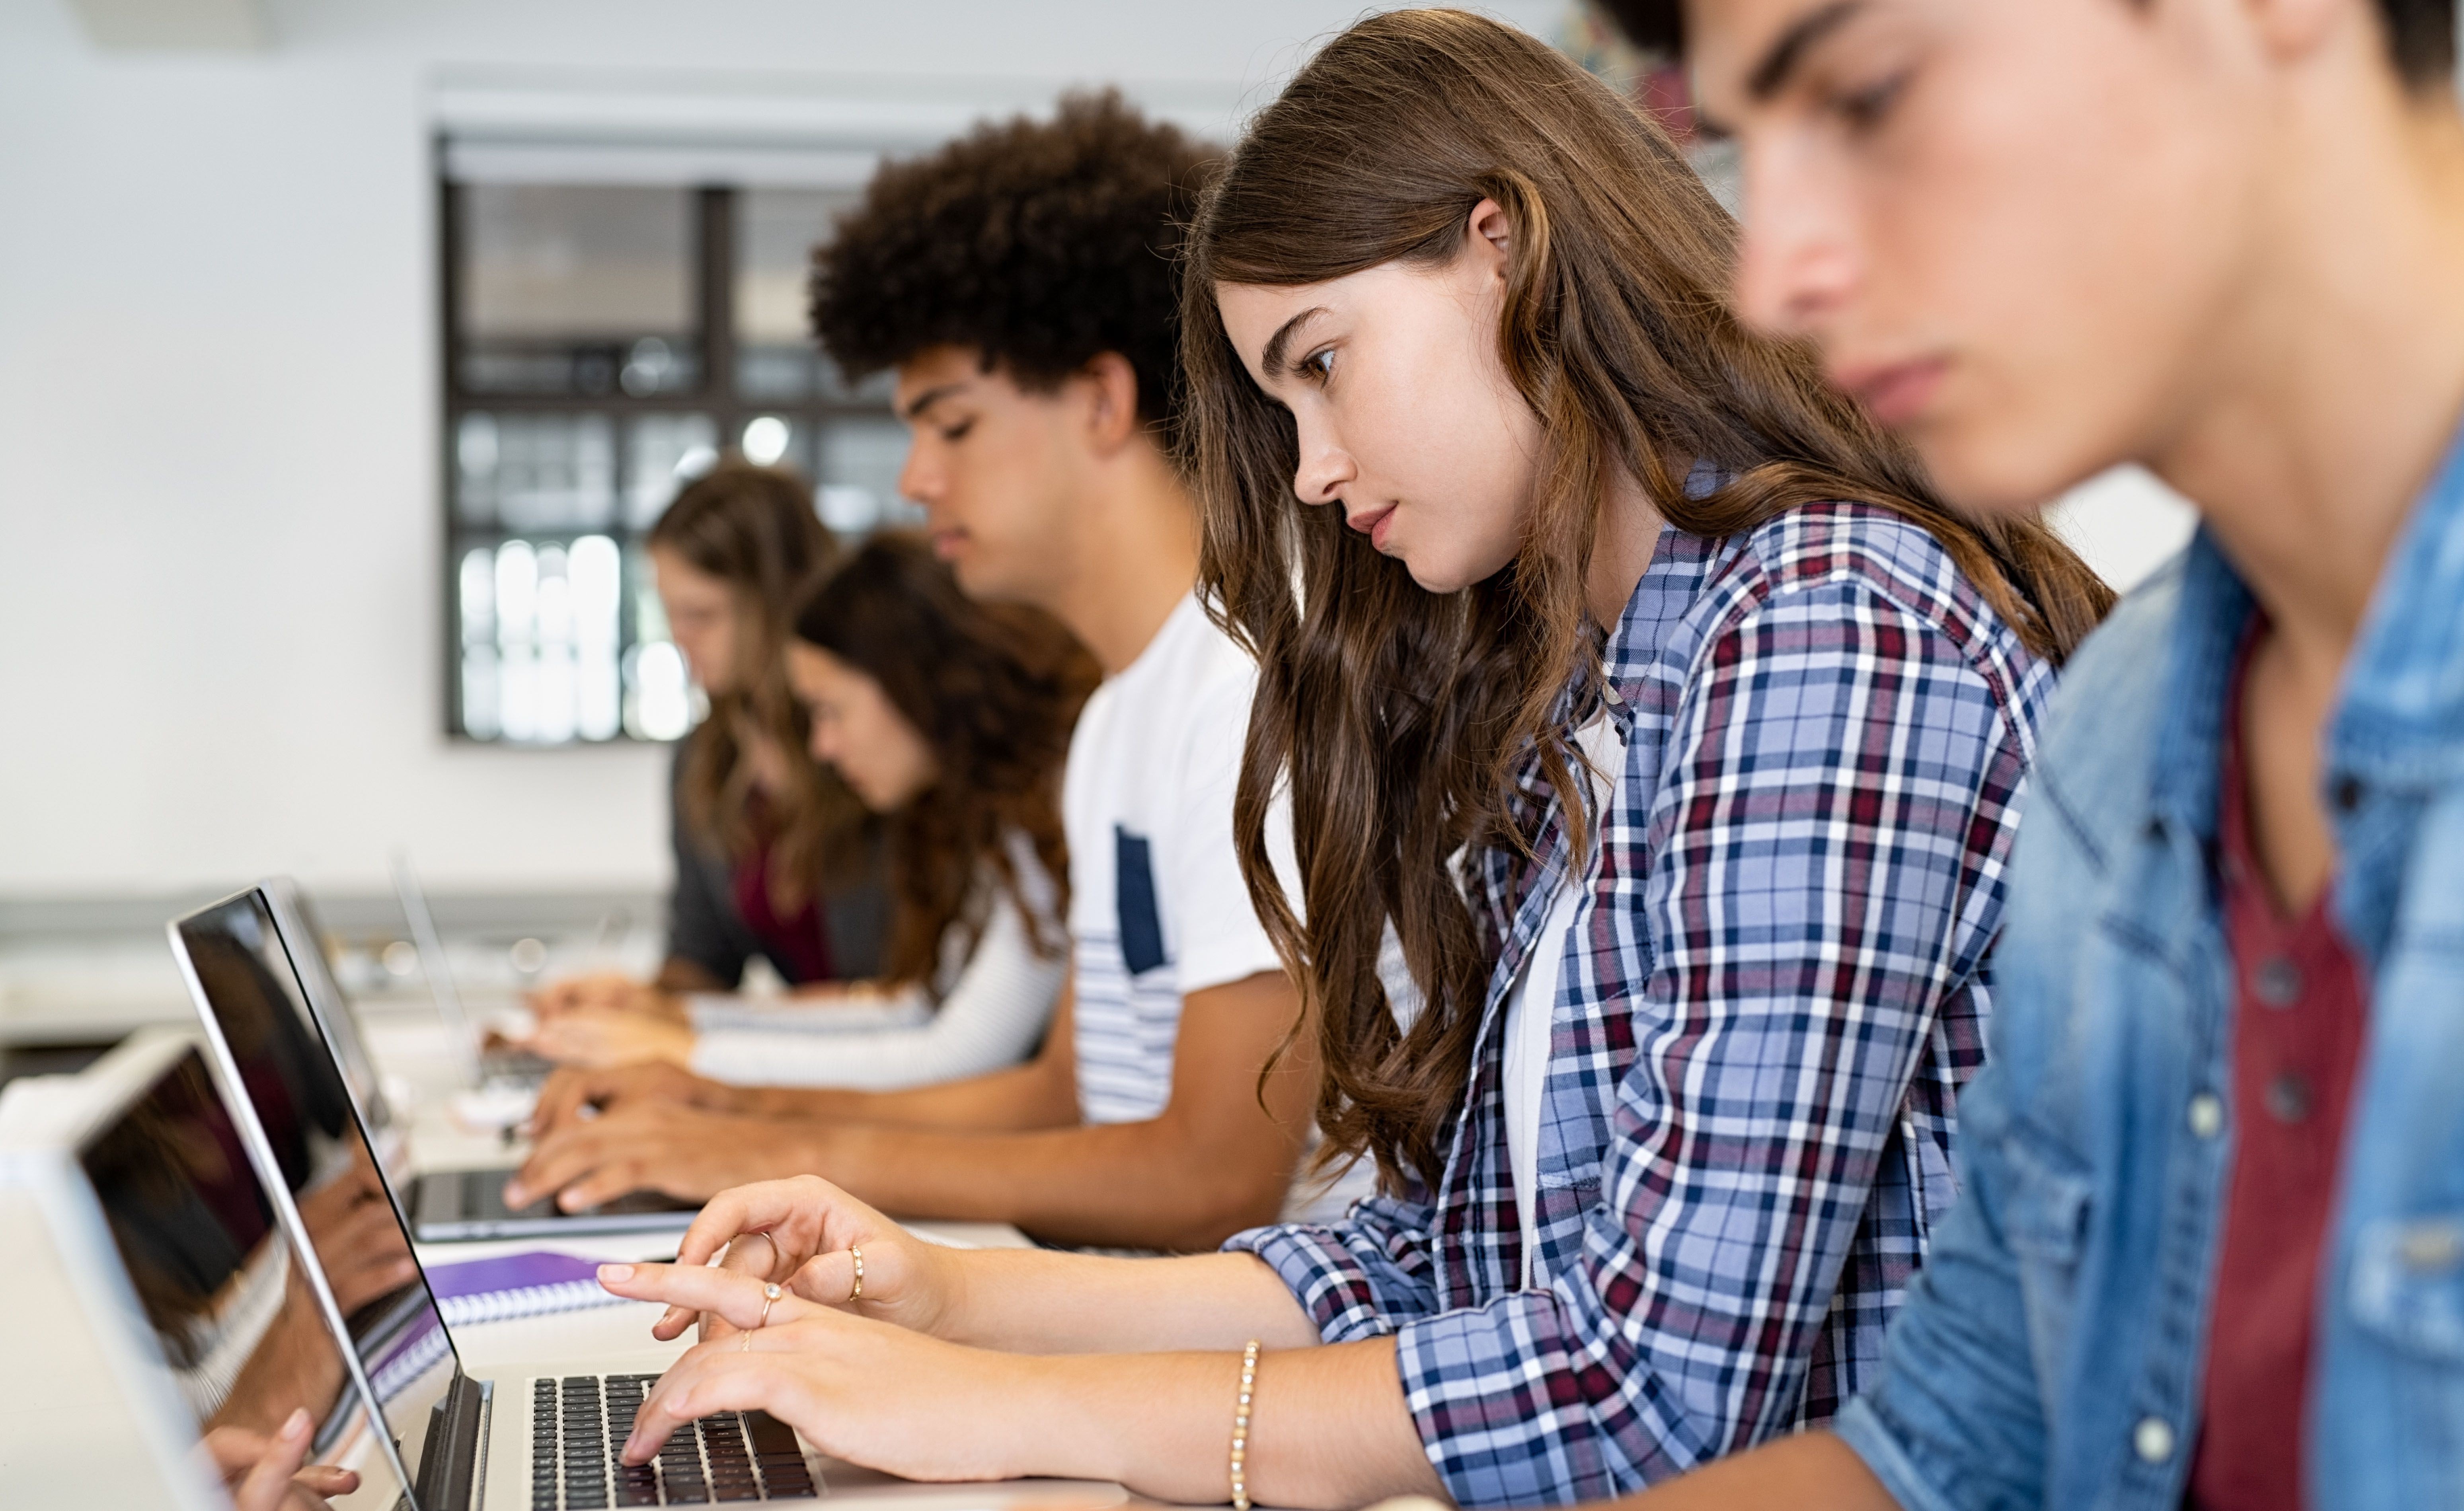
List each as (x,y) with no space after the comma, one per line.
(544,1442)
(157,1298)
(441,1205)
(480,1063)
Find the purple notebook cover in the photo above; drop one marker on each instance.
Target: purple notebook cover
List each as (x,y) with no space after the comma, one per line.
(510,1273)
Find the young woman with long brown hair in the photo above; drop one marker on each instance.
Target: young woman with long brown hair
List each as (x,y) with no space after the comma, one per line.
(772,857)
(951,719)
(1652,737)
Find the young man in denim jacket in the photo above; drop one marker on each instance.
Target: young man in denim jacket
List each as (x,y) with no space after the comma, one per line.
(2210,1246)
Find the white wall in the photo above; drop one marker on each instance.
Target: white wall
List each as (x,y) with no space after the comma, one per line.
(219,523)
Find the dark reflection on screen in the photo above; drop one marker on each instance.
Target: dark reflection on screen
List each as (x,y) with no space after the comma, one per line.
(360,1241)
(243,1336)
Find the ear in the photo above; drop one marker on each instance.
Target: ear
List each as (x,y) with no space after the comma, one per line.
(1110,390)
(1488,236)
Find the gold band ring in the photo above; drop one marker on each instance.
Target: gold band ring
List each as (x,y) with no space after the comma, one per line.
(770,1294)
(857,1255)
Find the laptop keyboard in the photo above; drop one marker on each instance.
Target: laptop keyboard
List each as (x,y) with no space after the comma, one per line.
(579,1425)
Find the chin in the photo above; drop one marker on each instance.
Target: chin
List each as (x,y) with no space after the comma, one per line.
(2008,468)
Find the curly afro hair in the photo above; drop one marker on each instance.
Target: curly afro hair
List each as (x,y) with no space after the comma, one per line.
(1040,243)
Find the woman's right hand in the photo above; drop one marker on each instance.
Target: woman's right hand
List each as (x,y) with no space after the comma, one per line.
(605,990)
(598,1040)
(569,1090)
(801,1233)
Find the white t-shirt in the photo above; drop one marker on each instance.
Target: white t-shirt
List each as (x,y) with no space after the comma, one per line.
(1157,908)
(1531,1006)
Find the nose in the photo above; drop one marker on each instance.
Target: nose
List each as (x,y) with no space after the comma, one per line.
(1325,466)
(918,479)
(1797,267)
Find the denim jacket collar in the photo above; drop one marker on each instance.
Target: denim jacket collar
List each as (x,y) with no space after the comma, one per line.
(2399,718)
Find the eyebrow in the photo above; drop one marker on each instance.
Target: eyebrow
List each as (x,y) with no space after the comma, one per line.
(1274,360)
(927,399)
(1784,57)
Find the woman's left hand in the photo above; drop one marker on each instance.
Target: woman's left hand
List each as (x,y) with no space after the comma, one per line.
(867,1392)
(596,1038)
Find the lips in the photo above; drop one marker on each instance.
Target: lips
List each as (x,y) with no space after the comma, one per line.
(947,543)
(1373,524)
(1897,393)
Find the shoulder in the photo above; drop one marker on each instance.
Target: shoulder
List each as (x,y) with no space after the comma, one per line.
(1859,590)
(1830,579)
(1191,688)
(1859,553)
(2093,775)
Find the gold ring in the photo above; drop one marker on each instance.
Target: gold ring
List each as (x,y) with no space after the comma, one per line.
(857,1255)
(770,1294)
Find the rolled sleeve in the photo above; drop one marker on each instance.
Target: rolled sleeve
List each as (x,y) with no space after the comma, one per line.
(1356,1279)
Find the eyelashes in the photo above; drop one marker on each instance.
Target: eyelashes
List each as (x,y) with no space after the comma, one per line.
(1866,108)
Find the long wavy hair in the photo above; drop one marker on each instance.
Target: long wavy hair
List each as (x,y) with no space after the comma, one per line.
(754,529)
(994,690)
(1398,719)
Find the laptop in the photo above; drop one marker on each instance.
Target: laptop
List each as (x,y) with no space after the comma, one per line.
(482,1066)
(441,1205)
(546,1442)
(156,1296)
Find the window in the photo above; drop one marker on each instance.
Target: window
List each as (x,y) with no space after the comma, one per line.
(604,342)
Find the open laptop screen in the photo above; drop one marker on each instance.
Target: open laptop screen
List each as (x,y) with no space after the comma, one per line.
(314,1139)
(246,1341)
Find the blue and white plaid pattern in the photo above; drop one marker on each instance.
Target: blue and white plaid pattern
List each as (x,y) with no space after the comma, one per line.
(1775,986)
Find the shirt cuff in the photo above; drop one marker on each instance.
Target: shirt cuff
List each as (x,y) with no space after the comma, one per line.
(1331,1284)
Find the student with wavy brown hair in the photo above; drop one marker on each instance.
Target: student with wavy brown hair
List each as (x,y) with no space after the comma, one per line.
(951,720)
(772,859)
(1021,283)
(1652,737)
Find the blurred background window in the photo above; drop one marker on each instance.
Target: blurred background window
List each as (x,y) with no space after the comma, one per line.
(604,343)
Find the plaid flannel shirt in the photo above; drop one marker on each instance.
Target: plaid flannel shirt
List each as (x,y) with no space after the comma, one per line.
(1774,988)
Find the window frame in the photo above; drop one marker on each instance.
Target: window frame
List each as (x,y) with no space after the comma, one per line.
(711,240)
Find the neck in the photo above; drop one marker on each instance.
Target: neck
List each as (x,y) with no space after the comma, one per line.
(2344,373)
(1135,556)
(1629,533)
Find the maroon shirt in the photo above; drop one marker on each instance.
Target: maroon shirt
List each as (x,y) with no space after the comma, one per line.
(2300,1013)
(800,939)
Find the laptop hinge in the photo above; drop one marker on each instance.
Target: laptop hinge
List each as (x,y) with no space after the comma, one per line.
(452,1464)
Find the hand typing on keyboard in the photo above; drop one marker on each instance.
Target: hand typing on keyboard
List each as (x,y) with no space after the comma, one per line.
(578,1424)
(858,1388)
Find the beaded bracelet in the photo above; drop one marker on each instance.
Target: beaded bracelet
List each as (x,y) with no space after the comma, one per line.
(1241,1428)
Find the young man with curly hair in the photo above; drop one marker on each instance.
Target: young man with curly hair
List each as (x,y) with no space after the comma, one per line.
(1021,284)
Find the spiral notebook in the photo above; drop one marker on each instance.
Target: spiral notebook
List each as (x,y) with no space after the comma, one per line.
(515,1285)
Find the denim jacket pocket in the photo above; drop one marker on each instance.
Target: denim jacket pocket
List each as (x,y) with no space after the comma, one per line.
(2408,1284)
